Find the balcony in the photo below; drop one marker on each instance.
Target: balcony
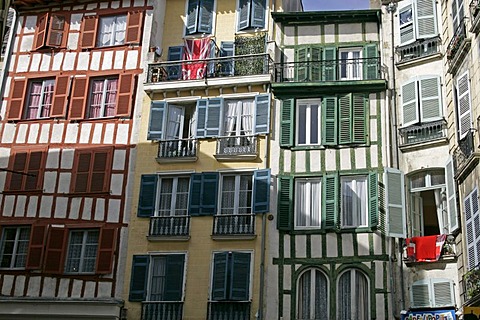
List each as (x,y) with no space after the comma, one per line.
(162,310)
(237,148)
(458,48)
(172,226)
(184,150)
(228,310)
(471,280)
(428,250)
(465,156)
(475,16)
(419,49)
(425,134)
(226,225)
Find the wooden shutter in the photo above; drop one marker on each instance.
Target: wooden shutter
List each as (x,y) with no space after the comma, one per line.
(195,197)
(201,117)
(173,290)
(261,191)
(371,62)
(330,64)
(329,121)
(359,118)
(134,27)
(302,64)
(373,199)
(36,159)
(157,119)
(410,103)
(106,250)
(203,194)
(244,14)
(258,13)
(262,114)
(345,118)
(147,196)
(138,279)
(219,278)
(56,30)
(287,123)
(395,202)
(426,18)
(407,30)
(18,164)
(463,105)
(430,102)
(79,98)
(101,170)
(214,109)
(40,31)
(240,277)
(55,250)
(125,95)
(451,196)
(35,250)
(206,16)
(62,90)
(285,204)
(89,31)
(17,98)
(330,201)
(81,171)
(227,50)
(192,16)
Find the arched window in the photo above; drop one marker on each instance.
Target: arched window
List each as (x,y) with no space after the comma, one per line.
(312,295)
(353,296)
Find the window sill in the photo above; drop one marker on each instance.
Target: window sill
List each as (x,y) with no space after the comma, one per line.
(236,157)
(88,194)
(446,258)
(168,238)
(234,237)
(324,147)
(325,231)
(23,192)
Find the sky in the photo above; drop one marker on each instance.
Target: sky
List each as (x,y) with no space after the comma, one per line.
(322,5)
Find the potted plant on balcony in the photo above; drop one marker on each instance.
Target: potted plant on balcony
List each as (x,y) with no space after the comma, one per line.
(472,280)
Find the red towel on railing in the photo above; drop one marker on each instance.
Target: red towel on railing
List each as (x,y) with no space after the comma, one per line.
(425,249)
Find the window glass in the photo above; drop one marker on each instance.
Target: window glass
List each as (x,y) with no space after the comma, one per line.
(82,251)
(112,30)
(405,16)
(40,98)
(56,30)
(14,247)
(308,122)
(103,98)
(173,196)
(307,202)
(237,194)
(354,201)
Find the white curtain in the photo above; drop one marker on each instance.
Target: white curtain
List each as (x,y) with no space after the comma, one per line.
(307,203)
(231,117)
(301,205)
(361,296)
(157,279)
(441,214)
(304,296)
(344,305)
(247,115)
(354,202)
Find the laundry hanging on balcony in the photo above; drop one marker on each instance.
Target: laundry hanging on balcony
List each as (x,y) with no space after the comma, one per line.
(425,249)
(195,49)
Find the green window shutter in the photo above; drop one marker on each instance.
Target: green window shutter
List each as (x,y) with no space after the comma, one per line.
(261,191)
(330,201)
(410,103)
(192,16)
(451,196)
(138,279)
(244,14)
(157,115)
(329,64)
(214,107)
(360,119)
(195,198)
(258,13)
(464,105)
(301,64)
(262,114)
(209,193)
(329,122)
(316,63)
(240,276)
(285,204)
(395,203)
(371,62)
(147,196)
(219,279)
(345,118)
(373,198)
(201,117)
(173,289)
(426,18)
(287,123)
(205,16)
(430,102)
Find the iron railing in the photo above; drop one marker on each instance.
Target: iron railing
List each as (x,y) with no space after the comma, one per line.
(424,132)
(418,49)
(234,224)
(328,70)
(462,153)
(457,40)
(162,310)
(169,226)
(246,65)
(471,280)
(237,145)
(179,148)
(229,310)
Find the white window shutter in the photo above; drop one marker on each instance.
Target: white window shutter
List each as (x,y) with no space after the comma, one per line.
(463,105)
(420,294)
(472,220)
(430,101)
(425,11)
(407,31)
(451,197)
(395,202)
(443,295)
(410,103)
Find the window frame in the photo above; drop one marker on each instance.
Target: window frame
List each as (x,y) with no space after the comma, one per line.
(352,64)
(312,298)
(15,249)
(237,189)
(312,202)
(81,266)
(150,270)
(174,193)
(308,103)
(238,117)
(355,208)
(105,92)
(112,42)
(41,106)
(353,284)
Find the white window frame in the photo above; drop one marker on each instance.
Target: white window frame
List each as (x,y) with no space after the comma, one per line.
(311,199)
(82,256)
(458,15)
(16,250)
(355,205)
(307,104)
(173,200)
(353,276)
(472,242)
(239,117)
(103,103)
(466,98)
(312,297)
(103,20)
(351,64)
(236,191)
(41,105)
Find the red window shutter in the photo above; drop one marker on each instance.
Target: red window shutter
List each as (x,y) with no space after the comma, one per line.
(37,243)
(89,31)
(82,172)
(106,250)
(125,95)
(134,27)
(60,97)
(100,171)
(35,170)
(18,165)
(41,31)
(17,97)
(79,97)
(56,30)
(55,251)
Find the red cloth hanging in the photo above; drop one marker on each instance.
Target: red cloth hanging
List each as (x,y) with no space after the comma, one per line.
(195,49)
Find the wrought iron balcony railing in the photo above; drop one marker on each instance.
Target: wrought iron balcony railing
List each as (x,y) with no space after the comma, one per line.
(237,145)
(471,279)
(328,70)
(169,226)
(180,148)
(475,16)
(228,310)
(463,152)
(424,132)
(234,224)
(162,310)
(247,65)
(418,49)
(457,40)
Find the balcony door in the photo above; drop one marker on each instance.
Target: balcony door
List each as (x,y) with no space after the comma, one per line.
(238,124)
(350,63)
(175,120)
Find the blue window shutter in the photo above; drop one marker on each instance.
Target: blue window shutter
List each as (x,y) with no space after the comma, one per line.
(174,54)
(209,193)
(329,121)
(138,280)
(227,50)
(370,66)
(286,123)
(214,108)
(244,15)
(147,197)
(201,117)
(330,64)
(373,198)
(285,204)
(206,16)
(219,279)
(157,118)
(330,201)
(195,203)
(192,16)
(240,276)
(262,115)
(174,277)
(258,13)
(261,191)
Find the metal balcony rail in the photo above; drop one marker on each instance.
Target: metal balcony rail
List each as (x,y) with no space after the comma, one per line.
(458,37)
(463,151)
(246,65)
(418,49)
(424,132)
(180,148)
(162,310)
(228,310)
(234,224)
(474,8)
(471,280)
(328,70)
(237,145)
(169,226)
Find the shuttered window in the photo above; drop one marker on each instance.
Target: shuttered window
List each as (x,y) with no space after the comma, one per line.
(199,16)
(395,203)
(472,222)
(51,30)
(26,169)
(231,276)
(421,100)
(312,295)
(92,170)
(353,284)
(463,102)
(251,14)
(417,20)
(82,251)
(432,293)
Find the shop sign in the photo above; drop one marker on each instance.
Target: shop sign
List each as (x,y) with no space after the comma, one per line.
(430,315)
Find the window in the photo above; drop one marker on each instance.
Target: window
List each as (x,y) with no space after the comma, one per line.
(251,14)
(472,221)
(354,206)
(432,293)
(309,122)
(14,247)
(457,14)
(103,98)
(199,16)
(40,98)
(82,251)
(463,103)
(26,170)
(350,63)
(312,301)
(353,296)
(50,30)
(173,196)
(417,20)
(231,276)
(112,30)
(236,194)
(238,119)
(421,100)
(308,194)
(92,170)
